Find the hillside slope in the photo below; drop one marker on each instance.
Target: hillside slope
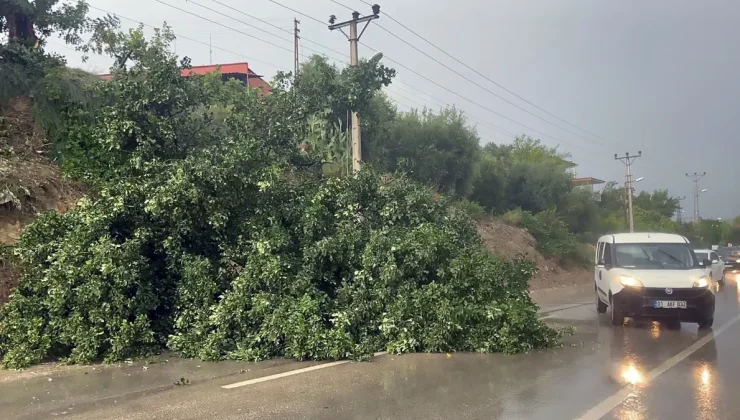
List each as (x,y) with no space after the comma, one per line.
(29,182)
(510,242)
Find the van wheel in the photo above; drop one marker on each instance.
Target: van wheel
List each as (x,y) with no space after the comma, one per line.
(617,315)
(600,306)
(706,323)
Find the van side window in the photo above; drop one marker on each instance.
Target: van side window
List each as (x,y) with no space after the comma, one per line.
(713,256)
(599,251)
(607,257)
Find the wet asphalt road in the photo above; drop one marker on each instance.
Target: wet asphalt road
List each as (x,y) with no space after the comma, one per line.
(639,371)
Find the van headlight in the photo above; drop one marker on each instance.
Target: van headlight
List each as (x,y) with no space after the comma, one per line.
(702,282)
(628,281)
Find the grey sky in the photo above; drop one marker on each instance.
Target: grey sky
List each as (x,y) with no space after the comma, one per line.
(658,76)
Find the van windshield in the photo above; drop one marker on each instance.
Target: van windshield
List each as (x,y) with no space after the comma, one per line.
(655,256)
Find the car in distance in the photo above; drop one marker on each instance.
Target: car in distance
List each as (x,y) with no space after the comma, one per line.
(652,275)
(717,269)
(731,257)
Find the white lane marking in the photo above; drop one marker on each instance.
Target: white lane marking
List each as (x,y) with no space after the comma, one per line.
(547,317)
(604,407)
(291,373)
(284,374)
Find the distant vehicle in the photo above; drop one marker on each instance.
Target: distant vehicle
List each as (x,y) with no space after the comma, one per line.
(731,257)
(653,275)
(717,269)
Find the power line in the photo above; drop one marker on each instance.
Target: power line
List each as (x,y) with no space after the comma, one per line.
(266,22)
(481,74)
(467,114)
(472,101)
(478,84)
(247,24)
(276,26)
(432,81)
(241,32)
(226,26)
(463,97)
(347,7)
(296,11)
(190,39)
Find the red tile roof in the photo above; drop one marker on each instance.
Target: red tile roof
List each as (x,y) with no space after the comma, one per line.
(237,69)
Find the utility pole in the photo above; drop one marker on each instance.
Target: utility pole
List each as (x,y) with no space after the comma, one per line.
(296,37)
(628,159)
(354,38)
(679,211)
(696,177)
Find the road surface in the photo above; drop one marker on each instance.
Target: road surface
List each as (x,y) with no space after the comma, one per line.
(638,371)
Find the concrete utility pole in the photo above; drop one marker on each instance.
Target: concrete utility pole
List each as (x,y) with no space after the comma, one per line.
(679,211)
(296,37)
(354,38)
(696,177)
(627,159)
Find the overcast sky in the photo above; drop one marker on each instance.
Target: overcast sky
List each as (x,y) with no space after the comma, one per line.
(659,76)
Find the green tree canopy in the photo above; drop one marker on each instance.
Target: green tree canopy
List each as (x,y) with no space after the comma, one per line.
(437,149)
(658,201)
(30,22)
(536,187)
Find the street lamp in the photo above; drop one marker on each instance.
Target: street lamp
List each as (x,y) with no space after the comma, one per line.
(375,58)
(639,179)
(703,190)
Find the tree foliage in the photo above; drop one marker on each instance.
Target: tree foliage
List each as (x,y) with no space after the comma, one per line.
(437,149)
(659,201)
(29,22)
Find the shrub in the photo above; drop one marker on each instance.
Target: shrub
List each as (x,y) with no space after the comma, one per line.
(471,208)
(512,217)
(553,238)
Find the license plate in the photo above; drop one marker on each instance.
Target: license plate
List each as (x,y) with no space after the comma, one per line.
(670,304)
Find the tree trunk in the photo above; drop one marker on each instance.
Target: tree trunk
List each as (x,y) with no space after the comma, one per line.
(20,27)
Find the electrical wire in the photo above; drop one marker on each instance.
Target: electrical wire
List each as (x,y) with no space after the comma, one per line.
(481,74)
(276,26)
(468,115)
(483,87)
(472,101)
(226,26)
(441,85)
(250,25)
(343,5)
(471,80)
(296,11)
(180,36)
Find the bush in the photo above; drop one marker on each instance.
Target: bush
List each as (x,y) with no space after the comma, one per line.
(315,271)
(512,217)
(553,238)
(471,208)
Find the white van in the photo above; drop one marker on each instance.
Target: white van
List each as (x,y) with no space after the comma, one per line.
(653,275)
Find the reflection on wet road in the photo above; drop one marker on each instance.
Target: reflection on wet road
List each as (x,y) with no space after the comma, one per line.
(643,370)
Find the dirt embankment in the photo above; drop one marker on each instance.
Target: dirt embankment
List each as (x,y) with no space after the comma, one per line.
(29,182)
(510,242)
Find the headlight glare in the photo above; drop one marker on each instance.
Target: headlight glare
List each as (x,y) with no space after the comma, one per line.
(627,281)
(702,282)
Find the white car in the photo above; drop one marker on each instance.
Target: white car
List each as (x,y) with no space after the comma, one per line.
(717,269)
(653,275)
